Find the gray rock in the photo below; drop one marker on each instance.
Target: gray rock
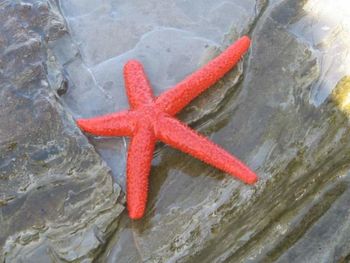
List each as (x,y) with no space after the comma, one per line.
(299,150)
(287,117)
(171,38)
(328,238)
(57,198)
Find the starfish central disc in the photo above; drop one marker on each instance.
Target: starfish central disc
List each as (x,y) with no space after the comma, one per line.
(150,119)
(150,114)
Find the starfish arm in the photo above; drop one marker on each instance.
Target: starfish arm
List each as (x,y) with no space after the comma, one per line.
(140,155)
(114,124)
(181,137)
(176,98)
(137,85)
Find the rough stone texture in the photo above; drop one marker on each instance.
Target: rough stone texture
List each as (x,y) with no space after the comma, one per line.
(57,199)
(288,118)
(323,234)
(299,150)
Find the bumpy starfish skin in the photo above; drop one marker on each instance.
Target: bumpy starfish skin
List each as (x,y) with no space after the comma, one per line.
(151,119)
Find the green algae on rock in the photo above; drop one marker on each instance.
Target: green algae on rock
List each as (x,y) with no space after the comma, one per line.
(341,95)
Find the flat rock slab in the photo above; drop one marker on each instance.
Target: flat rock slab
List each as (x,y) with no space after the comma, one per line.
(57,198)
(300,151)
(171,38)
(287,117)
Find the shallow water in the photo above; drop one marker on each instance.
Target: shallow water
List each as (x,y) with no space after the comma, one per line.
(273,120)
(326,28)
(284,111)
(161,35)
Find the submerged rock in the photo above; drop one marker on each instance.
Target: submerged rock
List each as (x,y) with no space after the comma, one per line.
(171,38)
(298,149)
(57,198)
(286,118)
(324,231)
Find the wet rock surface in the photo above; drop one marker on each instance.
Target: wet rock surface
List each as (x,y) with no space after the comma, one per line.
(57,198)
(299,150)
(171,39)
(287,116)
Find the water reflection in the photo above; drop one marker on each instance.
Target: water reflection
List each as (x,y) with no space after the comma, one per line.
(113,152)
(326,26)
(296,148)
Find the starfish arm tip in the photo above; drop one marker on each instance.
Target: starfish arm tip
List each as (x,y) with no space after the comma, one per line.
(136,215)
(82,123)
(86,126)
(131,63)
(115,124)
(137,84)
(251,179)
(244,44)
(244,173)
(246,39)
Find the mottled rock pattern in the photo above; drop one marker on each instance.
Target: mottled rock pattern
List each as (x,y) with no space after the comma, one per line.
(300,151)
(286,117)
(57,198)
(322,233)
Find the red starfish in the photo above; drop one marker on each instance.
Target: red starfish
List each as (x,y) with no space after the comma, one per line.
(151,119)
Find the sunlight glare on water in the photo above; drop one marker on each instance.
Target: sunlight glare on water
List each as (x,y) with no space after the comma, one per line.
(326,26)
